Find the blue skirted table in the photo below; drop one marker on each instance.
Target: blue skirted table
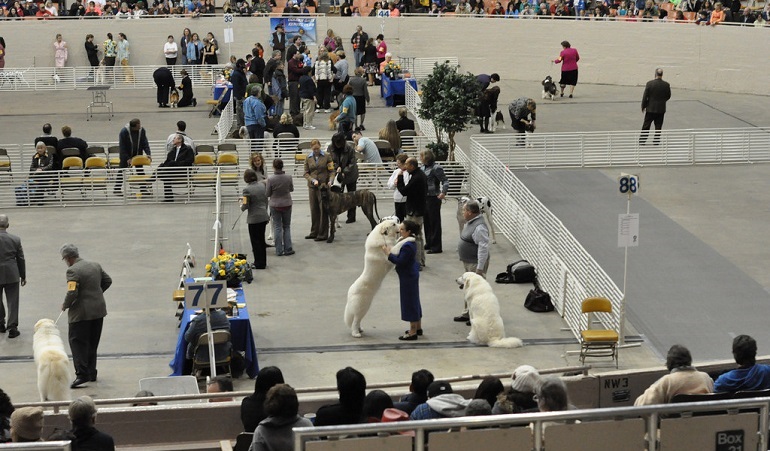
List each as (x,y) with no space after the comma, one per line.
(389,88)
(240,333)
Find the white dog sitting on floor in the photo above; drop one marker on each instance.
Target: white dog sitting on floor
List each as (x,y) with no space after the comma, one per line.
(53,365)
(376,267)
(484,310)
(485,205)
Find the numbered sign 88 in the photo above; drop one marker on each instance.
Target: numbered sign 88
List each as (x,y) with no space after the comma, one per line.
(628,184)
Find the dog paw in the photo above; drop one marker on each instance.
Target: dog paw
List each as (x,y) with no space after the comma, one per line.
(357,334)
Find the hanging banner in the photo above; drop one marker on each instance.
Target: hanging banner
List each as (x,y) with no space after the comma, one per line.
(295,26)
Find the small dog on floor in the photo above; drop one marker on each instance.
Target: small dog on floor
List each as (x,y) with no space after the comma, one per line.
(173,98)
(333,119)
(53,364)
(499,121)
(549,88)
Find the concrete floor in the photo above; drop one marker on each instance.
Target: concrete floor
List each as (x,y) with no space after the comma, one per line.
(296,304)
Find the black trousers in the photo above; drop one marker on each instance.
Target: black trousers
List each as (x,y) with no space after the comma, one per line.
(84,339)
(163,91)
(432,224)
(649,119)
(294,98)
(258,247)
(400,211)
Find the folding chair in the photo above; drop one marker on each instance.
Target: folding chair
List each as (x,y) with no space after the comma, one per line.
(201,357)
(597,342)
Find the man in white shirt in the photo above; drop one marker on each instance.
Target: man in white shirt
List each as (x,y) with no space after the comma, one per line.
(181,126)
(366,149)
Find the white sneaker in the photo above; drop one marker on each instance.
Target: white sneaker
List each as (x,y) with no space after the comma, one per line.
(308,127)
(317,110)
(327,111)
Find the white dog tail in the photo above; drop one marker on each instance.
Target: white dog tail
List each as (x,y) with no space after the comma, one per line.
(55,376)
(509,342)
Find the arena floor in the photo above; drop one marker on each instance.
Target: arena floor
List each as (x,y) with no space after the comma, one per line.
(296,304)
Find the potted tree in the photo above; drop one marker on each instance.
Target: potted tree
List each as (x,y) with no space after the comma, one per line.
(449,99)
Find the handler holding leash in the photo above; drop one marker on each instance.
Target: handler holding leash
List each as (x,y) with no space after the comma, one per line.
(86,284)
(473,247)
(521,110)
(318,171)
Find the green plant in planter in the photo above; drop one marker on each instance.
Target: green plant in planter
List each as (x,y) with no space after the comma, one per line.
(449,99)
(440,150)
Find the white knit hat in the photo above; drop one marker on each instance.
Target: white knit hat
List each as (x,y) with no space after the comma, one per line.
(525,379)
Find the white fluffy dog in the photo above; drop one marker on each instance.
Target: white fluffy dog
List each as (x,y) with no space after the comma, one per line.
(484,310)
(485,205)
(376,267)
(53,365)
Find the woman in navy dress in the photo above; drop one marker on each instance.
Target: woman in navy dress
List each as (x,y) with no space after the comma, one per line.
(408,270)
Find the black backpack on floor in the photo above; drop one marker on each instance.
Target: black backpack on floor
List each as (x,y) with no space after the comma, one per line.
(520,271)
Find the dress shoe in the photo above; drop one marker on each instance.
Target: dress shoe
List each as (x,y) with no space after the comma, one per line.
(462,318)
(289,252)
(350,221)
(419,332)
(92,378)
(310,237)
(431,251)
(321,238)
(195,101)
(2,329)
(78,382)
(407,337)
(13,333)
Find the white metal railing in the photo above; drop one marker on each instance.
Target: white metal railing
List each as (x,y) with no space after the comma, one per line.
(649,435)
(412,102)
(82,77)
(565,269)
(622,148)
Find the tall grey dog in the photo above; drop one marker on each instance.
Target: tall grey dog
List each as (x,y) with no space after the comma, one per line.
(336,203)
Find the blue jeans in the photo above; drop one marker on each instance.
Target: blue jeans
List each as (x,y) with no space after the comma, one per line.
(281,229)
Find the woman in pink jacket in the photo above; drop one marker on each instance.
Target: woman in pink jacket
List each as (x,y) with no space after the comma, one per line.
(569,68)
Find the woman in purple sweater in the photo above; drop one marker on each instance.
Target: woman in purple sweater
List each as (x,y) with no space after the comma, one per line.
(569,68)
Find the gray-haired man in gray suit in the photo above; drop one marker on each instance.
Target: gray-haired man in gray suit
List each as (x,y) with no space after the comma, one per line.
(86,284)
(12,273)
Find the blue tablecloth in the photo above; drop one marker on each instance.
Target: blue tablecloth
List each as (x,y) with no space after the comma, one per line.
(390,88)
(218,89)
(240,332)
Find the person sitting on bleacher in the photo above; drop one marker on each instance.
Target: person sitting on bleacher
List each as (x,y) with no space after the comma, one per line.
(441,403)
(421,380)
(351,385)
(520,398)
(682,379)
(253,406)
(749,375)
(275,431)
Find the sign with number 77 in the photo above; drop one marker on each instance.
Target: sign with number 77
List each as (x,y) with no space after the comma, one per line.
(205,295)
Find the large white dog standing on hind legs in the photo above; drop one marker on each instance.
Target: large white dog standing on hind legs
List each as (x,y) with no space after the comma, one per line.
(376,267)
(487,326)
(53,364)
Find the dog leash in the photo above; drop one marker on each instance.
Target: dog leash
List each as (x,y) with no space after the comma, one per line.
(57,319)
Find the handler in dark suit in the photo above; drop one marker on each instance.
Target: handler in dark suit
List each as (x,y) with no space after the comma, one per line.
(12,274)
(656,94)
(164,80)
(187,91)
(181,156)
(416,192)
(86,284)
(197,328)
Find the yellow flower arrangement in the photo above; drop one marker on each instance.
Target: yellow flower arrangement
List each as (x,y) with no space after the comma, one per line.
(230,267)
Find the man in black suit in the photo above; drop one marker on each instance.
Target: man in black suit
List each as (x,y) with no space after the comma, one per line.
(12,274)
(416,192)
(52,141)
(69,141)
(656,94)
(164,80)
(172,170)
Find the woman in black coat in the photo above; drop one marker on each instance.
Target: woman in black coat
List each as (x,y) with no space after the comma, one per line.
(252,407)
(82,413)
(187,91)
(92,51)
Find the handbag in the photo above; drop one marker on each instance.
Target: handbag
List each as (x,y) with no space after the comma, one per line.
(538,300)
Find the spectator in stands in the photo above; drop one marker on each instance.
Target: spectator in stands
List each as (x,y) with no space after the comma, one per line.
(170,50)
(438,186)
(351,386)
(523,112)
(416,192)
(525,382)
(390,133)
(6,409)
(183,41)
(142,394)
(359,40)
(68,141)
(82,414)
(403,122)
(77,8)
(343,156)
(690,5)
(41,164)
(181,127)
(418,391)
(347,11)
(365,147)
(194,50)
(478,407)
(375,404)
(255,201)
(398,198)
(749,375)
(197,328)
(319,168)
(464,8)
(220,384)
(441,403)
(27,424)
(552,395)
(275,431)
(173,170)
(683,378)
(347,116)
(717,16)
(747,17)
(286,125)
(489,389)
(253,406)
(49,140)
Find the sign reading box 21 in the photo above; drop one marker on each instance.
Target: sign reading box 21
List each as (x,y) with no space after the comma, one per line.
(628,184)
